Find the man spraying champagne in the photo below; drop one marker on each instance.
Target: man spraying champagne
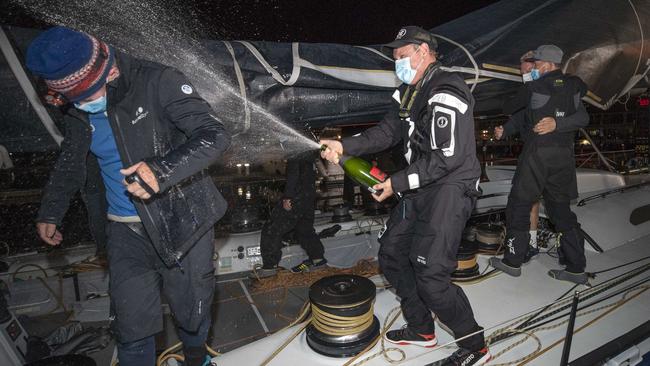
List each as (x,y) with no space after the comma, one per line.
(433,118)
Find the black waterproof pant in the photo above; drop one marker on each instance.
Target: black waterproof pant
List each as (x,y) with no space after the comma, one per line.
(418,254)
(138,276)
(546,172)
(300,219)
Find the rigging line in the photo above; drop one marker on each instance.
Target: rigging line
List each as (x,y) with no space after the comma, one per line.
(621,265)
(631,287)
(589,293)
(469,55)
(242,87)
(642,36)
(585,326)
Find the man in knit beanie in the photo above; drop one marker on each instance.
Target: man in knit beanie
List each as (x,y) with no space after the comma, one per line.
(152,137)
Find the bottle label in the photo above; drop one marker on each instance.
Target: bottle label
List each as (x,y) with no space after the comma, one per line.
(377,174)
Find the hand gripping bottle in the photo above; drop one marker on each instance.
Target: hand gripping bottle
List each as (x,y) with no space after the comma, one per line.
(361,171)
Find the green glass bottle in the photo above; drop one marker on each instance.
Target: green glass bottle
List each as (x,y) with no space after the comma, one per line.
(361,171)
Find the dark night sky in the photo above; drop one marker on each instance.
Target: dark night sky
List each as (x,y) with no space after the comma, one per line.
(340,21)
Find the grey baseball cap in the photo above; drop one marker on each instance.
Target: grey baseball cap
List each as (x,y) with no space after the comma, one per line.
(547,52)
(410,35)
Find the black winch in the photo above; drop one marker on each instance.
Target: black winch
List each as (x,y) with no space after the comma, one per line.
(343,323)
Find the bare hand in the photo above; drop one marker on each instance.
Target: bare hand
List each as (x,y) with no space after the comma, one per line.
(386,188)
(286,204)
(498,132)
(49,233)
(333,152)
(545,125)
(146,174)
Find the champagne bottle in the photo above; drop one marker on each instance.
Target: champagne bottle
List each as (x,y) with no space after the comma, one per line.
(361,171)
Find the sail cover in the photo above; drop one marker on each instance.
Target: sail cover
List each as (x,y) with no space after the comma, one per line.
(316,84)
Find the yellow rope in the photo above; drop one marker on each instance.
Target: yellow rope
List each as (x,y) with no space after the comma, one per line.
(340,325)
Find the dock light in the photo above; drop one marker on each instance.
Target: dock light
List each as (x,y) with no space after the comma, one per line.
(239,165)
(584,142)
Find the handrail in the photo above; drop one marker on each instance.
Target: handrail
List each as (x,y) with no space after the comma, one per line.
(584,201)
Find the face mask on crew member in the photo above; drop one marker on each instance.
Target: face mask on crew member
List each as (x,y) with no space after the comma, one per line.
(535,74)
(404,71)
(527,77)
(96,106)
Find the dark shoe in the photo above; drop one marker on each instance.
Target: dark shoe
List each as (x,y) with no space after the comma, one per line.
(564,275)
(465,357)
(195,356)
(263,272)
(504,267)
(309,265)
(406,335)
(531,253)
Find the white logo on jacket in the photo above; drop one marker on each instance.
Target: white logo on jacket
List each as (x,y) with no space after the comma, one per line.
(442,122)
(186,89)
(140,113)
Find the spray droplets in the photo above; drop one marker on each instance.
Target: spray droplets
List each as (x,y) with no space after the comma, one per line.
(156,31)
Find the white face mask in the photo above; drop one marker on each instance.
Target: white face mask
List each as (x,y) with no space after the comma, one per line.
(404,71)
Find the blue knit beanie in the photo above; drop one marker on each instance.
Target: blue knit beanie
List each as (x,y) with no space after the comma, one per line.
(72,63)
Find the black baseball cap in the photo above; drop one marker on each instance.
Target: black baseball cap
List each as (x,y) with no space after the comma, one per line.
(410,35)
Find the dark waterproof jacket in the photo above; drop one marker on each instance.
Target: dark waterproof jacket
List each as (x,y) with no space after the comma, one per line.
(156,116)
(437,134)
(301,183)
(553,95)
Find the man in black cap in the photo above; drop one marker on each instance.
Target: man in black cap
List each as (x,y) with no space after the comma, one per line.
(433,118)
(142,120)
(546,166)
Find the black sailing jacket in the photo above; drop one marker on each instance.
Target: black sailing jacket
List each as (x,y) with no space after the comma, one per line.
(157,117)
(437,134)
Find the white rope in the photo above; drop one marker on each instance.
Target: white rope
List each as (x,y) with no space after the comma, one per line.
(469,55)
(642,37)
(242,86)
(295,72)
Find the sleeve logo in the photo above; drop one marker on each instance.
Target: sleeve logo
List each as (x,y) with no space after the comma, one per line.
(186,89)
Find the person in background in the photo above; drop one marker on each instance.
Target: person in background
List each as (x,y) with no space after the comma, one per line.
(295,212)
(152,137)
(517,105)
(546,167)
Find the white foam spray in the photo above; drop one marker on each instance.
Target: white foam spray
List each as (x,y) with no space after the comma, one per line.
(156,31)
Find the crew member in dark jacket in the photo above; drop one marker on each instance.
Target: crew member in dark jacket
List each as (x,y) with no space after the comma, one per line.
(546,167)
(433,118)
(144,120)
(294,212)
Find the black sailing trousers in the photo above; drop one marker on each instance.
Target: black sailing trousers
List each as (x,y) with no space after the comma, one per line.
(418,254)
(546,172)
(300,219)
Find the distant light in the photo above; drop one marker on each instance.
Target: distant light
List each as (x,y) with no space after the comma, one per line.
(644,101)
(239,165)
(584,142)
(247,164)
(338,137)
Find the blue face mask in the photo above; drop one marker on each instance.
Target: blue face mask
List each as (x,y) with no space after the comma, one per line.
(535,74)
(404,71)
(96,106)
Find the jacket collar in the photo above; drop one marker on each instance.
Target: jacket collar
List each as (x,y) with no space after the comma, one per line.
(117,88)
